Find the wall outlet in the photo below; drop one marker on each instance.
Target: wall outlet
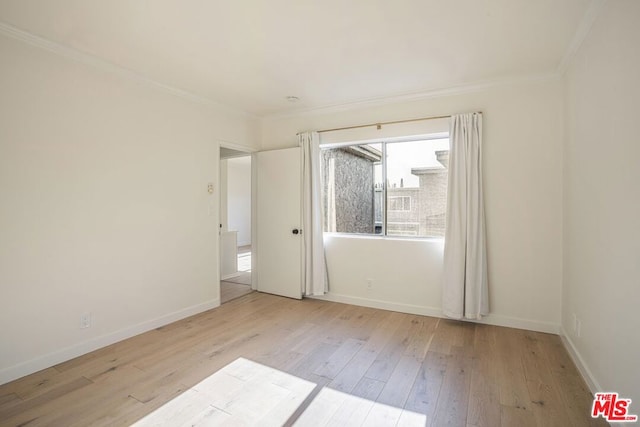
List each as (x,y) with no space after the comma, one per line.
(578,328)
(85,320)
(369,283)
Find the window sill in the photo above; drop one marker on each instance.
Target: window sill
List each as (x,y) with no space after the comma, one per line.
(378,237)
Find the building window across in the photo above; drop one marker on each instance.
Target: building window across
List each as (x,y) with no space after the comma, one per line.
(399,203)
(389,188)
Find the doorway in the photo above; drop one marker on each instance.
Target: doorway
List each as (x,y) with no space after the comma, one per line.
(235,224)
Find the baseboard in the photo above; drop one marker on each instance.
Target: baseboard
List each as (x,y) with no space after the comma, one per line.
(492,319)
(592,383)
(519,323)
(230,276)
(34,365)
(383,305)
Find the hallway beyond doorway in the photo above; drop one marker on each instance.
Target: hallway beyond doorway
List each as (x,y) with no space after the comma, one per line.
(239,285)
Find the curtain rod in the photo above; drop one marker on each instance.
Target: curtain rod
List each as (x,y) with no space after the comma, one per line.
(379,125)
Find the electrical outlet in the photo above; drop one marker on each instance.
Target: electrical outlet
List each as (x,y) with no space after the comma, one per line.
(85,320)
(578,328)
(369,283)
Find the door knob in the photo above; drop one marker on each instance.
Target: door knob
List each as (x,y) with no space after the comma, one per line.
(295,231)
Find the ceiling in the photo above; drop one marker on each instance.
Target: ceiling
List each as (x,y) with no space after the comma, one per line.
(251,54)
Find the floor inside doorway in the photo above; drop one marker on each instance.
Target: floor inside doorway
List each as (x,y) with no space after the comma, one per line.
(240,285)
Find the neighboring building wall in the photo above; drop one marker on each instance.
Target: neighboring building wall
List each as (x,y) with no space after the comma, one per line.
(420,213)
(426,216)
(433,201)
(403,216)
(433,196)
(353,198)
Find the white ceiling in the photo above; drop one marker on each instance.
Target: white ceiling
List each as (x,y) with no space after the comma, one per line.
(251,54)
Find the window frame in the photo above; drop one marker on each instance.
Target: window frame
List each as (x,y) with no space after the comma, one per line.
(384,141)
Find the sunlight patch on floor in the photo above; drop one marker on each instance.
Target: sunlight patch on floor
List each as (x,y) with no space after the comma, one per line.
(335,408)
(244,261)
(246,393)
(242,393)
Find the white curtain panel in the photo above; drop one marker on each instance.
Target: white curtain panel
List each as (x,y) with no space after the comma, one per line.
(315,273)
(465,285)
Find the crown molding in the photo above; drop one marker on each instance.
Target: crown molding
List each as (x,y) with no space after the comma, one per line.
(588,19)
(415,96)
(590,16)
(109,67)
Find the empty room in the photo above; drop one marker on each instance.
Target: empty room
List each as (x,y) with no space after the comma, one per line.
(278,213)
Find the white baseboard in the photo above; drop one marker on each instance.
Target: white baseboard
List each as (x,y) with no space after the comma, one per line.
(592,383)
(34,365)
(491,319)
(519,323)
(230,276)
(383,305)
(587,375)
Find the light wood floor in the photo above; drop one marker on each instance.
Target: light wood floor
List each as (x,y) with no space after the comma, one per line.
(363,364)
(231,290)
(242,278)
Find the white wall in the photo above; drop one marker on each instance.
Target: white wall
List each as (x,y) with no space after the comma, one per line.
(239,197)
(523,175)
(104,206)
(602,202)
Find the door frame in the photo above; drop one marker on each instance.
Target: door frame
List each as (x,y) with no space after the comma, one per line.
(246,151)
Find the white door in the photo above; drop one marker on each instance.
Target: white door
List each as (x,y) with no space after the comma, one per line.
(278,211)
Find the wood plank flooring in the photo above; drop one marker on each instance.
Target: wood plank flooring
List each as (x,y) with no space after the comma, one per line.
(230,291)
(324,363)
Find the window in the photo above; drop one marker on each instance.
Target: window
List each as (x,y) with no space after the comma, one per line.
(399,203)
(389,188)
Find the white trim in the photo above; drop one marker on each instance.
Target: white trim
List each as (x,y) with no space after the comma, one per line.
(391,140)
(414,96)
(383,305)
(590,379)
(34,365)
(109,67)
(247,150)
(104,65)
(586,23)
(492,319)
(589,17)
